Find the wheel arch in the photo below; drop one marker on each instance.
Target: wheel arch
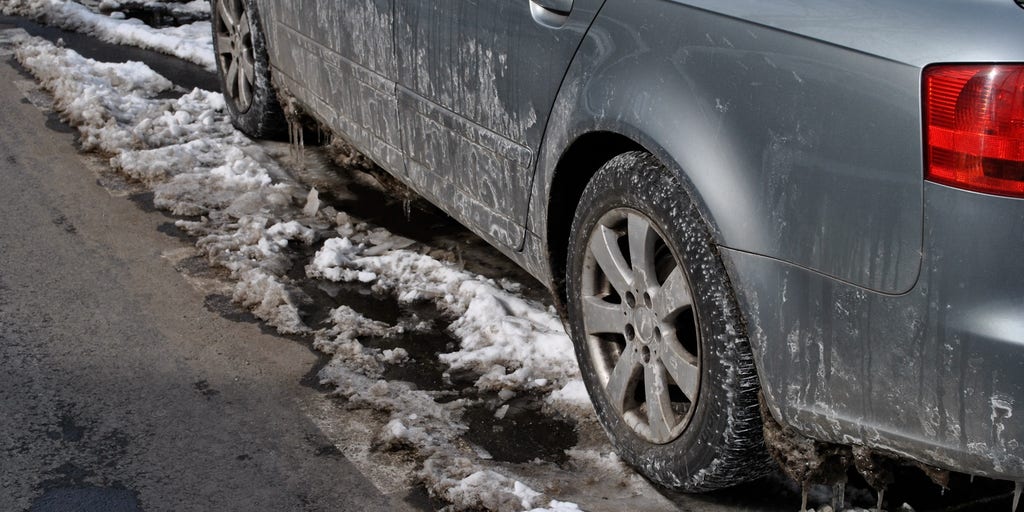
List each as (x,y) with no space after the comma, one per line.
(578,164)
(616,98)
(587,153)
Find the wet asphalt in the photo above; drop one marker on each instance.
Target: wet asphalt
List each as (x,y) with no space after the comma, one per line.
(119,390)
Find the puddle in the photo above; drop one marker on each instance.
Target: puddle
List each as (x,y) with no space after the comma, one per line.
(326,296)
(54,123)
(418,498)
(157,15)
(172,230)
(198,266)
(226,308)
(431,225)
(145,202)
(312,377)
(68,430)
(423,370)
(87,499)
(522,434)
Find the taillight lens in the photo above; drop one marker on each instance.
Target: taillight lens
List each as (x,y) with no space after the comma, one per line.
(974,127)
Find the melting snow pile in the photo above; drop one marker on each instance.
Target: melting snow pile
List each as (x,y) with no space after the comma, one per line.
(499,331)
(249,215)
(191,42)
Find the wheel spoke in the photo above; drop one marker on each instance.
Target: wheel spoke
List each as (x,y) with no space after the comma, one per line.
(642,239)
(223,44)
(623,379)
(605,247)
(659,405)
(602,317)
(248,68)
(244,90)
(227,15)
(673,295)
(244,28)
(232,78)
(681,367)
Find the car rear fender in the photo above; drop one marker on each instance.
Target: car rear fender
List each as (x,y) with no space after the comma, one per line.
(779,137)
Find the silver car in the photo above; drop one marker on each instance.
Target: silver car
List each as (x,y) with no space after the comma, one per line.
(792,227)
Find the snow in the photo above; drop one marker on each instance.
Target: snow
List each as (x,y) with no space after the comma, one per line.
(191,42)
(558,506)
(513,343)
(571,398)
(249,216)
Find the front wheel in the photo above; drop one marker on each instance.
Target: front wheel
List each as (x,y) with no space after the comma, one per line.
(658,334)
(244,67)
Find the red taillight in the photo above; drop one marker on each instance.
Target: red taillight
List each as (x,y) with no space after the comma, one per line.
(974,127)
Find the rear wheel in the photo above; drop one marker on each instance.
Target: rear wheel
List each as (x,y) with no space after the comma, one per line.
(240,47)
(661,345)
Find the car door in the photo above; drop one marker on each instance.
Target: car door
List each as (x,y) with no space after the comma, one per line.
(477,79)
(338,57)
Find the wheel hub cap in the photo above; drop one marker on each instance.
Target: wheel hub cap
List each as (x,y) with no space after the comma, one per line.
(646,324)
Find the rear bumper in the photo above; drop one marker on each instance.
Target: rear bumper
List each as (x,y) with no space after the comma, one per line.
(936,374)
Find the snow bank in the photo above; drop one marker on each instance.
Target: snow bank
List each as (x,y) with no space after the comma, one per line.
(192,42)
(196,164)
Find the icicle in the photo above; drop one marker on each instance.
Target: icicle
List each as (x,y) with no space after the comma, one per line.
(838,495)
(972,479)
(291,139)
(300,146)
(407,208)
(803,499)
(881,496)
(1016,495)
(297,144)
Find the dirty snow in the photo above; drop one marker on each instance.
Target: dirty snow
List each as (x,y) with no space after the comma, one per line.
(191,42)
(193,7)
(248,216)
(514,344)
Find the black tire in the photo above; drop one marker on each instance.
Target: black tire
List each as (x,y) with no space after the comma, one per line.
(257,113)
(715,439)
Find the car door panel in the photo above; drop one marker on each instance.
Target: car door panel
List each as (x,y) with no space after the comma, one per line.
(477,80)
(338,56)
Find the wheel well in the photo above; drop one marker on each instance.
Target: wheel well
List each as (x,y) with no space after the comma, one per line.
(578,164)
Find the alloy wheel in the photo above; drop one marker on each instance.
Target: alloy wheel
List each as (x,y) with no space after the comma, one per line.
(235,52)
(641,328)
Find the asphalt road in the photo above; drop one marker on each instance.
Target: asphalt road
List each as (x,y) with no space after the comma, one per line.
(119,391)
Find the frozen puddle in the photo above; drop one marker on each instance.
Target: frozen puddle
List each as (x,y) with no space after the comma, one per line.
(459,383)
